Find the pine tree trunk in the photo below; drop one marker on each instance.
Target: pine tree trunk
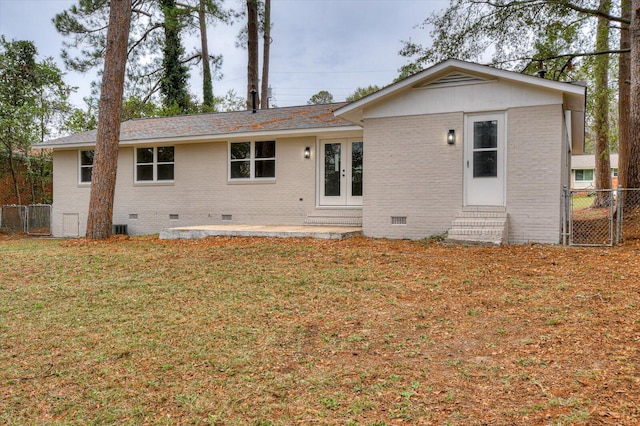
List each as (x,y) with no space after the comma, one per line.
(103,181)
(601,110)
(207,84)
(14,178)
(253,52)
(633,178)
(624,99)
(265,55)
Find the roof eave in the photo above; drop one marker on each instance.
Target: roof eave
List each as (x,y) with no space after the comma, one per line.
(212,138)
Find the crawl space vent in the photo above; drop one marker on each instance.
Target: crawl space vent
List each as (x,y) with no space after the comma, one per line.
(398,220)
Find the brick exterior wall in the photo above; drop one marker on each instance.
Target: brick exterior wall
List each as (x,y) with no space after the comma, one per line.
(201,193)
(410,171)
(536,171)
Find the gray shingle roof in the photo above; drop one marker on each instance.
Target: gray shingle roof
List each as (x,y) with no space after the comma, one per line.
(305,117)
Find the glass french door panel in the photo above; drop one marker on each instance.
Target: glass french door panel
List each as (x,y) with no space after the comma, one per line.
(332,169)
(356,169)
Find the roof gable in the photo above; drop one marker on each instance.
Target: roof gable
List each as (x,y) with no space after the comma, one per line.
(454,72)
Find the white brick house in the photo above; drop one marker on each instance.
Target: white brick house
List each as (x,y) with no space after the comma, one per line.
(450,149)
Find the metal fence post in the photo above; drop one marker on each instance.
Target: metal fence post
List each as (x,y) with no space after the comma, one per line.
(619,213)
(565,212)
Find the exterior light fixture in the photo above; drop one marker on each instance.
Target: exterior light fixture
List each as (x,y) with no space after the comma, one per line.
(307,152)
(451,137)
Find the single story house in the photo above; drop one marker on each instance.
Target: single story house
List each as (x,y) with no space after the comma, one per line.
(583,169)
(459,148)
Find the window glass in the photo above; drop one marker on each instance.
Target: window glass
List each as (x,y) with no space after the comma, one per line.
(584,175)
(265,168)
(356,169)
(155,164)
(332,166)
(485,134)
(614,172)
(240,170)
(86,166)
(256,163)
(266,149)
(485,164)
(165,154)
(144,155)
(240,150)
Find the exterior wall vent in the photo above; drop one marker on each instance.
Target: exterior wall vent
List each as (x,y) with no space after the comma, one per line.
(398,220)
(120,229)
(133,216)
(174,217)
(456,79)
(227,217)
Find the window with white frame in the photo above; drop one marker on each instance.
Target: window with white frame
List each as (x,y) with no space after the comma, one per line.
(585,175)
(252,160)
(614,172)
(155,164)
(86,165)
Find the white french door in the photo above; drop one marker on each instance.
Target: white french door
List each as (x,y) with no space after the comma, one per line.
(484,161)
(341,172)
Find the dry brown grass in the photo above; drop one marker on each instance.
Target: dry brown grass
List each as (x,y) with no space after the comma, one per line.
(241,331)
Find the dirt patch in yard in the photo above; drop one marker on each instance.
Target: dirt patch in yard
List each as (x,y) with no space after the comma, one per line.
(259,331)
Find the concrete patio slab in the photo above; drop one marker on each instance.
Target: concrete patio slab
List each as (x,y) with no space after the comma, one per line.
(274,231)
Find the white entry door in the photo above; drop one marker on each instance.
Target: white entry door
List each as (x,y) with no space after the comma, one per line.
(484,161)
(341,172)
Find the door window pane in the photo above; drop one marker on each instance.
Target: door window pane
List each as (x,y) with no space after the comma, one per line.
(485,134)
(356,169)
(332,165)
(485,164)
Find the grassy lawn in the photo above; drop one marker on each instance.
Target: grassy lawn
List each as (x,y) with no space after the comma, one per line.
(241,331)
(580,202)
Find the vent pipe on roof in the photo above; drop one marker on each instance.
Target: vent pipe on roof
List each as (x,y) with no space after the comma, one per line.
(254,92)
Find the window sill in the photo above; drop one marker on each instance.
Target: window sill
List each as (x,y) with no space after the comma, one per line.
(155,183)
(250,181)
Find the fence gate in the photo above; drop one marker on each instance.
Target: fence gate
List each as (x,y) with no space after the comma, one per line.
(602,217)
(38,219)
(591,218)
(34,219)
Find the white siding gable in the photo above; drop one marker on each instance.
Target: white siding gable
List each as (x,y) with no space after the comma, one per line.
(468,96)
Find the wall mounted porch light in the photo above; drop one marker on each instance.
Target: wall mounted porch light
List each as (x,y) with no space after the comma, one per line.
(451,137)
(307,152)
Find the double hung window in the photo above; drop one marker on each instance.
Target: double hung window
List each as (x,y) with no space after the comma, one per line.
(155,164)
(584,175)
(252,160)
(86,166)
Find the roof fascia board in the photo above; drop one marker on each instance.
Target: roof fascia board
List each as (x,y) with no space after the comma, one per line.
(213,138)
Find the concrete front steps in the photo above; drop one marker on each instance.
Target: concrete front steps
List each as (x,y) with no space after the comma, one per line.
(335,217)
(480,225)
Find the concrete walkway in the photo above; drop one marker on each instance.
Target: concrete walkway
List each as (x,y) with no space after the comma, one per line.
(277,231)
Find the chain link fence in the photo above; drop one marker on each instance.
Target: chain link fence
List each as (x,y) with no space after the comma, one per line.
(602,217)
(34,219)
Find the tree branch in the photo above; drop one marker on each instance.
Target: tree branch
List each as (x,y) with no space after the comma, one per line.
(561,3)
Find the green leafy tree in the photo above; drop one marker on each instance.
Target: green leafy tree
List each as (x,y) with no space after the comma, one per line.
(80,120)
(33,102)
(361,92)
(175,75)
(322,97)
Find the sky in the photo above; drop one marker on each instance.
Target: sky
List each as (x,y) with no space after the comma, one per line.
(333,45)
